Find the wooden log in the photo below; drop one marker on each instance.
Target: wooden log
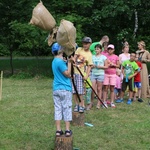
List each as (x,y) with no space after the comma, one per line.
(64,143)
(78,119)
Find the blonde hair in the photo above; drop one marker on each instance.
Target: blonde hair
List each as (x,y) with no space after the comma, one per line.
(142,43)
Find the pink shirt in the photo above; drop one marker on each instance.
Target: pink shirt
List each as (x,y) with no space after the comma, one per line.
(123,57)
(118,82)
(112,59)
(105,53)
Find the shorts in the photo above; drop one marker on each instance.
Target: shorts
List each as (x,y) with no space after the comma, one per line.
(62,105)
(99,78)
(79,83)
(137,85)
(110,79)
(130,83)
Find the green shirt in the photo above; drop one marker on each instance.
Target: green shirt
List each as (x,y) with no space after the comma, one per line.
(129,67)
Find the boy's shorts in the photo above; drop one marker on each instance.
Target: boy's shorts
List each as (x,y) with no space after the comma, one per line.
(110,79)
(62,105)
(137,85)
(79,83)
(130,83)
(99,78)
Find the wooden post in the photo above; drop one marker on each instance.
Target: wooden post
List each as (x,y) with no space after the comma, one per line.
(1,85)
(64,143)
(78,119)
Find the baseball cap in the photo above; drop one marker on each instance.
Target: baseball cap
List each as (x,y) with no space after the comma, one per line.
(111,46)
(55,47)
(86,40)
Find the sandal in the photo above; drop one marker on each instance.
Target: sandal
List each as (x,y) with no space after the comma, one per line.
(81,109)
(68,133)
(59,133)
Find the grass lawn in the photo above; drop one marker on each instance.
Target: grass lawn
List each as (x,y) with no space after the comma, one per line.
(27,123)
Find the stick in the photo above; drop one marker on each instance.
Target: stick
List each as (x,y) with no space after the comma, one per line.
(1,85)
(91,87)
(75,88)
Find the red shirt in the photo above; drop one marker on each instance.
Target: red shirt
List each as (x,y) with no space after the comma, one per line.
(137,78)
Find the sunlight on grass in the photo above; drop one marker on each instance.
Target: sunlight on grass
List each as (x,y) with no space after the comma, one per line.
(27,121)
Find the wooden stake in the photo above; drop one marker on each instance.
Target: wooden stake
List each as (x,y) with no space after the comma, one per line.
(1,85)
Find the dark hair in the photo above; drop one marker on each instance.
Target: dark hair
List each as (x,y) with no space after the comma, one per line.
(98,45)
(105,43)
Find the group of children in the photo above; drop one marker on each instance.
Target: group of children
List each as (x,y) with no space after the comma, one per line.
(102,71)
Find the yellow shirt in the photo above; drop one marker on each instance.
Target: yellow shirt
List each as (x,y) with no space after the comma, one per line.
(83,59)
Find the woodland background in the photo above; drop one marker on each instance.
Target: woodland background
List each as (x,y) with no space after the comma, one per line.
(119,19)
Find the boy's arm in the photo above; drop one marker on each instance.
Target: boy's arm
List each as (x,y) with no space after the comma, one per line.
(67,73)
(87,72)
(135,73)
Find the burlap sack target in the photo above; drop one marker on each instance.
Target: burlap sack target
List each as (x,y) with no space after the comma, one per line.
(42,18)
(66,36)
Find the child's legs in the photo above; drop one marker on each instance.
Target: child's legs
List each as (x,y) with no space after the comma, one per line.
(67,108)
(99,90)
(138,85)
(79,83)
(123,89)
(112,86)
(88,95)
(57,109)
(105,86)
(131,88)
(94,87)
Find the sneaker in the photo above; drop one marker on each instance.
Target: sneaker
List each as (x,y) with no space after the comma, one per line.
(76,108)
(81,109)
(140,100)
(112,105)
(106,106)
(119,100)
(129,102)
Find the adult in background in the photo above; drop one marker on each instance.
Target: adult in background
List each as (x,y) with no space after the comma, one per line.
(144,57)
(105,38)
(62,90)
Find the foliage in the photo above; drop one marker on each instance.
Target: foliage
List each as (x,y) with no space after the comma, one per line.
(93,18)
(27,121)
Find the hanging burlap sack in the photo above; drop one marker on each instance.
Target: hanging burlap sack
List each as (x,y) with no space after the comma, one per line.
(66,36)
(42,18)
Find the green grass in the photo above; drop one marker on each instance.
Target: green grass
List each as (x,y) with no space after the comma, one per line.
(27,123)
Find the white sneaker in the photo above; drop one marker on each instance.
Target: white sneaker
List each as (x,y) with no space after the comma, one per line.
(106,106)
(112,105)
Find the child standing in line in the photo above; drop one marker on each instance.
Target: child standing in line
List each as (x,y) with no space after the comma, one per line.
(129,70)
(117,90)
(62,90)
(88,92)
(110,75)
(137,81)
(82,59)
(97,74)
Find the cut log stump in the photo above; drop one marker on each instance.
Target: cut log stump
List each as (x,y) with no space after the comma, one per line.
(78,119)
(64,143)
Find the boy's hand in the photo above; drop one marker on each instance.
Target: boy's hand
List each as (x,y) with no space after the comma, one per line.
(130,77)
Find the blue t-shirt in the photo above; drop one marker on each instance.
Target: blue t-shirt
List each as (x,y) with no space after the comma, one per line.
(98,61)
(60,82)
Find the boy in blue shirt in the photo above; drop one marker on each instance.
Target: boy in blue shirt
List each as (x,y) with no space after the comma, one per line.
(62,90)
